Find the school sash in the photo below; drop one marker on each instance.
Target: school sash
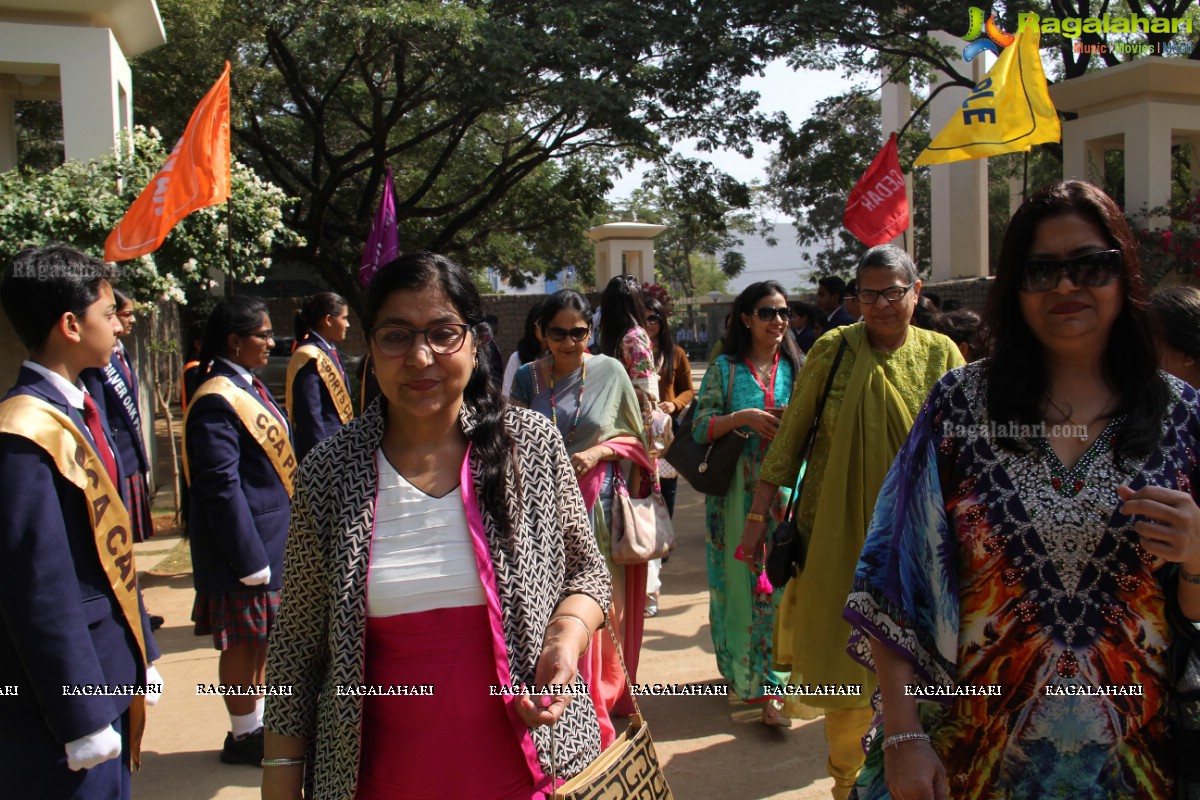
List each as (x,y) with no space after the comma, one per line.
(129,407)
(261,423)
(330,375)
(73,455)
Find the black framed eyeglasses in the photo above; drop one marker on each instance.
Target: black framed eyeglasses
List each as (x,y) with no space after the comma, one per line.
(560,334)
(654,318)
(443,339)
(768,313)
(266,336)
(892,294)
(1089,270)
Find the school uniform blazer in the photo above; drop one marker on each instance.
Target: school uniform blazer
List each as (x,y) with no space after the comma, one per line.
(60,622)
(238,516)
(318,640)
(314,414)
(129,443)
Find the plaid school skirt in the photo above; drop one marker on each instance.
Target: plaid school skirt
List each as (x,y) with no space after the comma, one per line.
(239,617)
(139,507)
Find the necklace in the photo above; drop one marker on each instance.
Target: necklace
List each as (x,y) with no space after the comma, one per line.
(1083,437)
(570,437)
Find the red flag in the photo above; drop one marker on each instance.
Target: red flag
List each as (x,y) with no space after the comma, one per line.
(877,211)
(196,175)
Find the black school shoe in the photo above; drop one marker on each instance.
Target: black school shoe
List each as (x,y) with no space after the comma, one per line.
(156,622)
(246,749)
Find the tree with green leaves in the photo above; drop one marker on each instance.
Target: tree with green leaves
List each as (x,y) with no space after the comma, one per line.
(504,120)
(80,203)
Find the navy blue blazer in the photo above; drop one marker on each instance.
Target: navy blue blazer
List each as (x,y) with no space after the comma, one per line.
(129,442)
(313,412)
(60,622)
(239,509)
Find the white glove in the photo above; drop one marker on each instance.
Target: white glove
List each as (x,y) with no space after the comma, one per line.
(153,677)
(263,576)
(94,749)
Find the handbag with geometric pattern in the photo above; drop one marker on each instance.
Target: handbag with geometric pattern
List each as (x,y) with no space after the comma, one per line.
(628,768)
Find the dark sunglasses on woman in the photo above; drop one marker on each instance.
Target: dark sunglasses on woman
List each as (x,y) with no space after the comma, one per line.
(767,313)
(654,318)
(559,334)
(1089,270)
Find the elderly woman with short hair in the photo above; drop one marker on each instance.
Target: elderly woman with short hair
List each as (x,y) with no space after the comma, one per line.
(886,371)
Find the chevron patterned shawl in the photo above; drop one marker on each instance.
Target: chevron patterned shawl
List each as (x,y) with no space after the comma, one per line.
(317,643)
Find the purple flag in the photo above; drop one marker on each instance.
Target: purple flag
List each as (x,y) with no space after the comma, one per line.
(383,244)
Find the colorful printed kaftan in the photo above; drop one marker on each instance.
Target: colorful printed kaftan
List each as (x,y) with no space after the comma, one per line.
(1010,574)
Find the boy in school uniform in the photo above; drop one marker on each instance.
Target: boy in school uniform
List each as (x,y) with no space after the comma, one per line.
(75,640)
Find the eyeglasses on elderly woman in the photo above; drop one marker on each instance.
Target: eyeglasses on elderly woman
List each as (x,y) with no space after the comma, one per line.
(1090,269)
(892,294)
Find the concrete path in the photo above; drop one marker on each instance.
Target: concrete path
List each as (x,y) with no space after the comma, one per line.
(710,748)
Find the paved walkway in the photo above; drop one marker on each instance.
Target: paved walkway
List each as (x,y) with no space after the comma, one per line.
(710,748)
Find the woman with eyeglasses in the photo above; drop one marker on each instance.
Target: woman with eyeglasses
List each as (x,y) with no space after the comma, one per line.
(744,392)
(239,463)
(591,402)
(1038,539)
(439,545)
(886,370)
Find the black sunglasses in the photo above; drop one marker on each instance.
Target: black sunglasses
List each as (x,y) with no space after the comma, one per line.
(559,334)
(655,318)
(768,313)
(1088,270)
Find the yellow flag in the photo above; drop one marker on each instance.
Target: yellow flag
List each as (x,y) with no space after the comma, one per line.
(1008,111)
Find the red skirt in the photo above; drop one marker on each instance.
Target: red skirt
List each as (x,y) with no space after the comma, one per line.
(457,743)
(241,617)
(139,507)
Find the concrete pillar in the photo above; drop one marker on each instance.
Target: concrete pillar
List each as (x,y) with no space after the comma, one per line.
(896,106)
(91,89)
(8,133)
(1016,187)
(959,190)
(1148,162)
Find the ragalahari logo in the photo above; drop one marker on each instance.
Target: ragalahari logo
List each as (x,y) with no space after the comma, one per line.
(995,41)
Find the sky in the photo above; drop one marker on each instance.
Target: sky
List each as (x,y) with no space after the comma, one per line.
(780,89)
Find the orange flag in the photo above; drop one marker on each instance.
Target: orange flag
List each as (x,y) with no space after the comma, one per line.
(195,175)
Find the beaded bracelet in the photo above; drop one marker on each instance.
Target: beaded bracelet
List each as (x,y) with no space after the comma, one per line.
(582,624)
(283,762)
(1189,577)
(909,736)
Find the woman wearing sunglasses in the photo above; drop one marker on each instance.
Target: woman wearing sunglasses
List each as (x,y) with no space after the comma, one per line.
(761,360)
(438,545)
(592,403)
(1035,534)
(885,372)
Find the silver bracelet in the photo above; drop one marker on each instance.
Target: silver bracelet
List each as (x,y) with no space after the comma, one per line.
(582,624)
(909,736)
(283,762)
(1188,577)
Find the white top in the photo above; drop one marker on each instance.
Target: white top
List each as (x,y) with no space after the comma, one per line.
(510,372)
(422,555)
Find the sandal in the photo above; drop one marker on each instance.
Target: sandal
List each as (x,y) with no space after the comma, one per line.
(772,715)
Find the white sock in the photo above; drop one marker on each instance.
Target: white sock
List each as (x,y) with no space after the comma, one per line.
(244,723)
(259,704)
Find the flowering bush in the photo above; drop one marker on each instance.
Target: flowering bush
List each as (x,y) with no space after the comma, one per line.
(660,294)
(79,203)
(1175,248)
